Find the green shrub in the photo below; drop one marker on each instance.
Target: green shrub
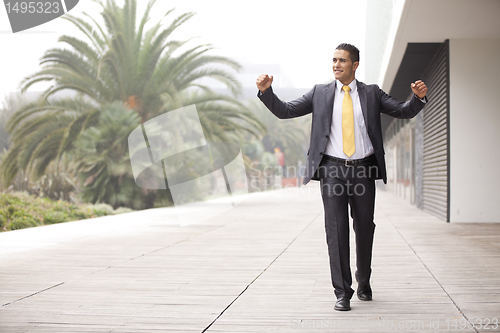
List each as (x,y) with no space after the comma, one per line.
(79,215)
(21,213)
(51,217)
(21,223)
(20,210)
(102,209)
(122,210)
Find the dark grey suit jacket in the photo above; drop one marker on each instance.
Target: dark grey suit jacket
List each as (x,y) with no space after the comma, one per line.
(319,102)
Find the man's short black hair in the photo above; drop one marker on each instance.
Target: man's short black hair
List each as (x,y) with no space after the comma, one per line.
(353,51)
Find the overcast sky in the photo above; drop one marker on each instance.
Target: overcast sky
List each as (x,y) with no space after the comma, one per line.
(300,36)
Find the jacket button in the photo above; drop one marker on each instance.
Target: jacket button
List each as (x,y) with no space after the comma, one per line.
(321,153)
(326,136)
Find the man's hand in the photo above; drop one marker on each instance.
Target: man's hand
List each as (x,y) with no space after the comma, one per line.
(419,88)
(263,82)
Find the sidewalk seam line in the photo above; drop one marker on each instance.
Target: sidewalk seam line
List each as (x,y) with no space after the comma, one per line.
(38,292)
(265,269)
(151,252)
(435,279)
(101,270)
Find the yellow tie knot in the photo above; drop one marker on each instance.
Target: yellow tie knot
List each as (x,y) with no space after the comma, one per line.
(346,88)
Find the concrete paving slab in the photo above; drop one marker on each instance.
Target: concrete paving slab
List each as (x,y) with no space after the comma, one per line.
(259,267)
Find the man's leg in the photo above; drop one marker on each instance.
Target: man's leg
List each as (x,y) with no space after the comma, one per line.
(335,201)
(362,204)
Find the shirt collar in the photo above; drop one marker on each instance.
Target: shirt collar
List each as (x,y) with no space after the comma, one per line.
(353,85)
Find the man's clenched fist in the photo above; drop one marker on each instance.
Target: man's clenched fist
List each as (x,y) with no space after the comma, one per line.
(263,82)
(419,88)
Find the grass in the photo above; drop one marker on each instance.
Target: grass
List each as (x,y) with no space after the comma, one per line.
(20,210)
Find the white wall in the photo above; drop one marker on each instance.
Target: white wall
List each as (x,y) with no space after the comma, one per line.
(474,130)
(378,25)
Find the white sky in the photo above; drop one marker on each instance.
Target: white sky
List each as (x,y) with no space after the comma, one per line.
(300,36)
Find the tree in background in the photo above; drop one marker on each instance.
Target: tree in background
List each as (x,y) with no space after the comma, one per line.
(120,66)
(61,185)
(5,113)
(289,135)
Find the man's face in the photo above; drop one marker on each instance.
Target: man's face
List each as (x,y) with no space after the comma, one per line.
(343,68)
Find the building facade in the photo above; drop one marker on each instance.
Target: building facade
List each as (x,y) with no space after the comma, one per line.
(445,160)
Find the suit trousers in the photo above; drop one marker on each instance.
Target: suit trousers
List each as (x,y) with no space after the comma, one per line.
(344,187)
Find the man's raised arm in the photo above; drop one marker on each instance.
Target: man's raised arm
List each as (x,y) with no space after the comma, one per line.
(283,110)
(405,110)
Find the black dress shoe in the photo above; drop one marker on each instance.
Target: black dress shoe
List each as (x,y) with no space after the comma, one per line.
(364,295)
(343,304)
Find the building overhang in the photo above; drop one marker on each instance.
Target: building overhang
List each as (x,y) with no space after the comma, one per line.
(434,21)
(421,26)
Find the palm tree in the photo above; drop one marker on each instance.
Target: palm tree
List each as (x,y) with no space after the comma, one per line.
(42,131)
(121,61)
(101,152)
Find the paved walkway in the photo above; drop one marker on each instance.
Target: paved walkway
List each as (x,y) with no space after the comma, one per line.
(260,267)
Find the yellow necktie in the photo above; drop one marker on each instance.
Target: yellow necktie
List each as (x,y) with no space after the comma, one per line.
(348,123)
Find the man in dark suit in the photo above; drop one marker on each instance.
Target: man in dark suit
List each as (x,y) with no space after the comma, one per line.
(346,154)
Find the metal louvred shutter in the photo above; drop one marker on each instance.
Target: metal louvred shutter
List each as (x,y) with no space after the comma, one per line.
(435,186)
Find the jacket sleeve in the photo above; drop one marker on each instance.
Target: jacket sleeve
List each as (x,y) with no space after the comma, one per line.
(285,110)
(398,109)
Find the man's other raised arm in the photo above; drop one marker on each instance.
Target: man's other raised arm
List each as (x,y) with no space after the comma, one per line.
(283,110)
(405,110)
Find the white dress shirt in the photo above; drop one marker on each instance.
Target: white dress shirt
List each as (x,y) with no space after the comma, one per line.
(335,146)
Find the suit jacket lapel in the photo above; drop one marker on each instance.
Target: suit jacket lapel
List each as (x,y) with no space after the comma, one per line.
(364,107)
(330,95)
